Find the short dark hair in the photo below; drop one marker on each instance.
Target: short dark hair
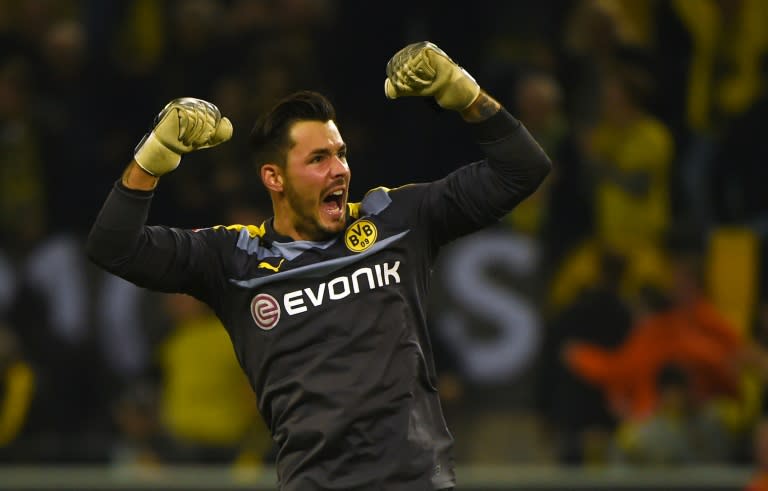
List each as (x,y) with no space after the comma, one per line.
(270,136)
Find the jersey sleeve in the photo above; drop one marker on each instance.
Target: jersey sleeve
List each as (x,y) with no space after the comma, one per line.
(160,258)
(483,192)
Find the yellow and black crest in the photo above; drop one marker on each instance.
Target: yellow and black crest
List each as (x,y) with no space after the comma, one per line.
(360,235)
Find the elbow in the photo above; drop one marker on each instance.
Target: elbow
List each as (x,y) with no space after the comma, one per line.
(91,247)
(96,252)
(543,168)
(104,251)
(538,170)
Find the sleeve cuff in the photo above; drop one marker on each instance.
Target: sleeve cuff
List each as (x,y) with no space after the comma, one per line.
(137,193)
(499,126)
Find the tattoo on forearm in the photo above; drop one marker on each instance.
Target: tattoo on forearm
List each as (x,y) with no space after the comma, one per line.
(483,108)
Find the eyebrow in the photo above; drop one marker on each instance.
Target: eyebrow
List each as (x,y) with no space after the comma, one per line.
(326,151)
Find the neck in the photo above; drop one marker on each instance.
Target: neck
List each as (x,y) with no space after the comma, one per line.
(286,223)
(284,226)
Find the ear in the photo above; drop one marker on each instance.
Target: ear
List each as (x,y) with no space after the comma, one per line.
(272,177)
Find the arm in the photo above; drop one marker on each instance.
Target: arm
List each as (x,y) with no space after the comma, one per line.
(478,194)
(138,179)
(160,258)
(481,109)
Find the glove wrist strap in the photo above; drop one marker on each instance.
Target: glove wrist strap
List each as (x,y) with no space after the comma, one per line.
(154,157)
(461,91)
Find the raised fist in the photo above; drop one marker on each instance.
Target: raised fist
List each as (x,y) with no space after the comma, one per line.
(423,69)
(184,125)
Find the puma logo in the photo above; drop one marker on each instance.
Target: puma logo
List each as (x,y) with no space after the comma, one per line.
(268,266)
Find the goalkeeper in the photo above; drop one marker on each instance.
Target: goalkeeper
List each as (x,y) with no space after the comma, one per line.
(325,301)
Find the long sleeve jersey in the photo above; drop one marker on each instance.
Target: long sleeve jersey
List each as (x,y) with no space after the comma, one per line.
(333,335)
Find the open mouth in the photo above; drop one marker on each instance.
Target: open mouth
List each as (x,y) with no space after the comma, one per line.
(333,203)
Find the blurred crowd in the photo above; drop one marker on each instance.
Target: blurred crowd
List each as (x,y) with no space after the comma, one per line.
(652,228)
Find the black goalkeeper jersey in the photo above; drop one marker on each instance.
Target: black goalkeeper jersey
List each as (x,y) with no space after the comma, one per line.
(333,335)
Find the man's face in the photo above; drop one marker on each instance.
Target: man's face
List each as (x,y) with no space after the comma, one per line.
(316,182)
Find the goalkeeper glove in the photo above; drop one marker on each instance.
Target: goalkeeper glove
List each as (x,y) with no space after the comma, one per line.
(423,69)
(184,125)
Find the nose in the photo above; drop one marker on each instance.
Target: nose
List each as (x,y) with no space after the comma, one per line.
(338,167)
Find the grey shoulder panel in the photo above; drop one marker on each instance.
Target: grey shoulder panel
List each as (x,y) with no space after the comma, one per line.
(376,201)
(318,269)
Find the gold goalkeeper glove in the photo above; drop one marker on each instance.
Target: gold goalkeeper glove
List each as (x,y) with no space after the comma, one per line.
(423,69)
(184,125)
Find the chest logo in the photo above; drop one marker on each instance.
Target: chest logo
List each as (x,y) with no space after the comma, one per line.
(360,235)
(265,311)
(266,265)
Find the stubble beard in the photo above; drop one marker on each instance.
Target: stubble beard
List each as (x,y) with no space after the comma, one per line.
(307,220)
